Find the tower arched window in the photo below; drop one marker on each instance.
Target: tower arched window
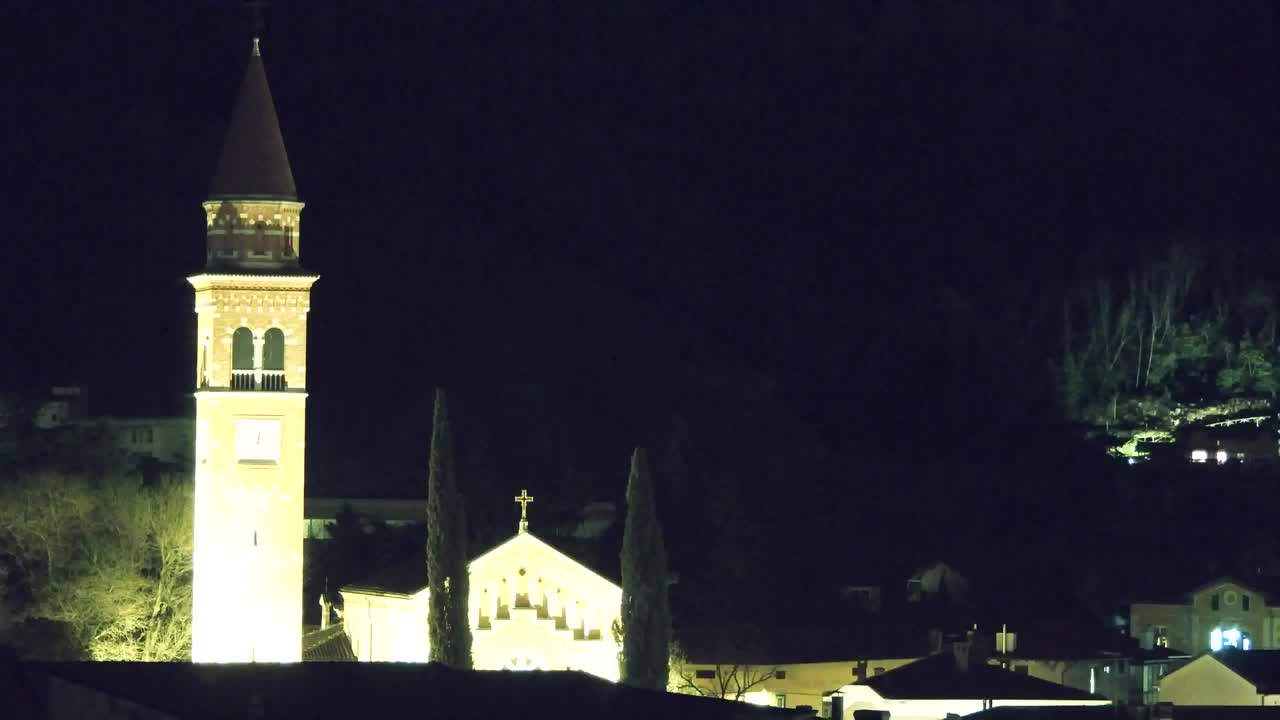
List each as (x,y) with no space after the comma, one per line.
(273,359)
(242,359)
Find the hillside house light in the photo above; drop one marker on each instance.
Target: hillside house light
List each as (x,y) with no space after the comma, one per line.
(1199,456)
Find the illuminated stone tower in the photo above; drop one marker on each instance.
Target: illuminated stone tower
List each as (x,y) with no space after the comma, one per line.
(251,378)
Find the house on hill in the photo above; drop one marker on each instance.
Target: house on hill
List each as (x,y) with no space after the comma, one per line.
(1230,677)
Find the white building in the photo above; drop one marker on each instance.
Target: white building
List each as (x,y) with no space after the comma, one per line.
(950,684)
(532,608)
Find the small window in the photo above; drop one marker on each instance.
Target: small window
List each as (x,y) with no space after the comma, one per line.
(705,674)
(1244,602)
(1020,669)
(1160,636)
(780,700)
(1213,602)
(780,674)
(879,671)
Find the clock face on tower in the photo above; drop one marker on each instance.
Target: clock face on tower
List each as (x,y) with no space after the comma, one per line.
(258,440)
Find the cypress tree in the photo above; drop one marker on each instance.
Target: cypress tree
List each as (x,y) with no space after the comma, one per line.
(448,585)
(646,610)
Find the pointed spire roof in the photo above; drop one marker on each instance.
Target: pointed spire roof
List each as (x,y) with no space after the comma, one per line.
(253,161)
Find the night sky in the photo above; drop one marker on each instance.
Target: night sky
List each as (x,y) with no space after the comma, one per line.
(596,209)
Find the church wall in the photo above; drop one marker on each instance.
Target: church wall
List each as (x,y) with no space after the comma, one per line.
(386,628)
(526,642)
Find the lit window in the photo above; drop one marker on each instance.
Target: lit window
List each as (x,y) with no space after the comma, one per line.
(1246,643)
(1199,456)
(1221,457)
(1215,640)
(1231,637)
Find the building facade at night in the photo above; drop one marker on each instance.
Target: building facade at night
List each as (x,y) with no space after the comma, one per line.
(1224,613)
(251,302)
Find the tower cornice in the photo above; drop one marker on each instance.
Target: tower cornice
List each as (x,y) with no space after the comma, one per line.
(245,281)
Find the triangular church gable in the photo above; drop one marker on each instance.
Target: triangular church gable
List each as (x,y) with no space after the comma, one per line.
(525,548)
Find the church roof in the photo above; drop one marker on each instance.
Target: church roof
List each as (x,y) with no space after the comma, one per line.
(253,163)
(344,690)
(328,645)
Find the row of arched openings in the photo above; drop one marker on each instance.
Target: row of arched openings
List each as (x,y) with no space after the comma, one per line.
(244,374)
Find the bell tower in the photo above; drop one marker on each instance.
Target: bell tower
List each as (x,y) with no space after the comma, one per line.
(251,305)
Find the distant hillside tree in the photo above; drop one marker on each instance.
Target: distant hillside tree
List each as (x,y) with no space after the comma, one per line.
(1165,337)
(447,574)
(646,611)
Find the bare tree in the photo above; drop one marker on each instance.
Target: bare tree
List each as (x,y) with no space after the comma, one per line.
(727,681)
(110,561)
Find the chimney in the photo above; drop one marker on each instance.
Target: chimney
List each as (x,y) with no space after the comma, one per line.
(324,611)
(960,649)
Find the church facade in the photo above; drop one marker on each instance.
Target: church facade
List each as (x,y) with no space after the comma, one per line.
(251,305)
(532,608)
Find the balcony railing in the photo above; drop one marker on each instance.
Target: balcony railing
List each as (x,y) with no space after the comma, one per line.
(268,380)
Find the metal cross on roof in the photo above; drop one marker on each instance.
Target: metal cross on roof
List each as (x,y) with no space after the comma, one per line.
(524,498)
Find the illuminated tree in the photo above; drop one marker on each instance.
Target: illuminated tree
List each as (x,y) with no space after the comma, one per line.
(447,580)
(108,562)
(646,611)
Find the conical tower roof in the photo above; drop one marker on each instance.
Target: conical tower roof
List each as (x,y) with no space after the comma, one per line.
(253,162)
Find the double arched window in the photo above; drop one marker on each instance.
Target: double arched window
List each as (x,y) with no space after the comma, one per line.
(248,371)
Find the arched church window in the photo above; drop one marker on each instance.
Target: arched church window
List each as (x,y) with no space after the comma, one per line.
(242,359)
(273,350)
(273,360)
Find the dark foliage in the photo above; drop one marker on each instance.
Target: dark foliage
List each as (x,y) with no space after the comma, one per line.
(646,610)
(447,576)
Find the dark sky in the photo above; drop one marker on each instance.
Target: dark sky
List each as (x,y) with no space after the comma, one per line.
(861,202)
